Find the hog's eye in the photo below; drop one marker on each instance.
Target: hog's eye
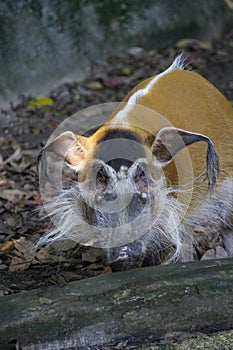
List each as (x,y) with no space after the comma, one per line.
(140,179)
(102,178)
(139,174)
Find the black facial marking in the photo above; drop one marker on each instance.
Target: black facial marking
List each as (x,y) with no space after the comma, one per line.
(141,180)
(101,179)
(120,151)
(90,132)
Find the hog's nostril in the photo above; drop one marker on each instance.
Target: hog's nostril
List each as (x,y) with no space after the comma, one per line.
(143,197)
(98,198)
(123,171)
(110,196)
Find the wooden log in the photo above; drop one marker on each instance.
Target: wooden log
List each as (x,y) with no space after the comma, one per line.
(135,307)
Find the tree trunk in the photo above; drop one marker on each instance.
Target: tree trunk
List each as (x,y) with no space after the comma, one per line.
(136,307)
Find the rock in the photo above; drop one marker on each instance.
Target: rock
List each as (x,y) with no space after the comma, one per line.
(115,82)
(228,243)
(217,253)
(94,85)
(193,43)
(136,52)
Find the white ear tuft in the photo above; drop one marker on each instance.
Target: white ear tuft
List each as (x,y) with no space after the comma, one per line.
(69,146)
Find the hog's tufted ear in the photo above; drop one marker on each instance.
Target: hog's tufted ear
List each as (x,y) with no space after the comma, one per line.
(170,140)
(71,147)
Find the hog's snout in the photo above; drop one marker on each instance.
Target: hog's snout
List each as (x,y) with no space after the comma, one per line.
(125,256)
(109,196)
(119,195)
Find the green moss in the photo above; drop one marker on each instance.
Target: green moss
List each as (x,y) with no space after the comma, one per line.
(223,341)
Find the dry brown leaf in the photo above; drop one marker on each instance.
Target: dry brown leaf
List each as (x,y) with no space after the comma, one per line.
(22,256)
(17,196)
(43,257)
(59,280)
(10,183)
(92,255)
(23,245)
(94,85)
(6,247)
(28,159)
(14,196)
(19,264)
(14,157)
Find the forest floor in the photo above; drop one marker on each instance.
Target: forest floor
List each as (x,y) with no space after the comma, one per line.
(25,128)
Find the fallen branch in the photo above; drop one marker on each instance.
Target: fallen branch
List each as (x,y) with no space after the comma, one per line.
(135,307)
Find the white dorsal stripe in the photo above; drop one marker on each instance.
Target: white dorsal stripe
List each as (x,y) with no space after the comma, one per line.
(179,63)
